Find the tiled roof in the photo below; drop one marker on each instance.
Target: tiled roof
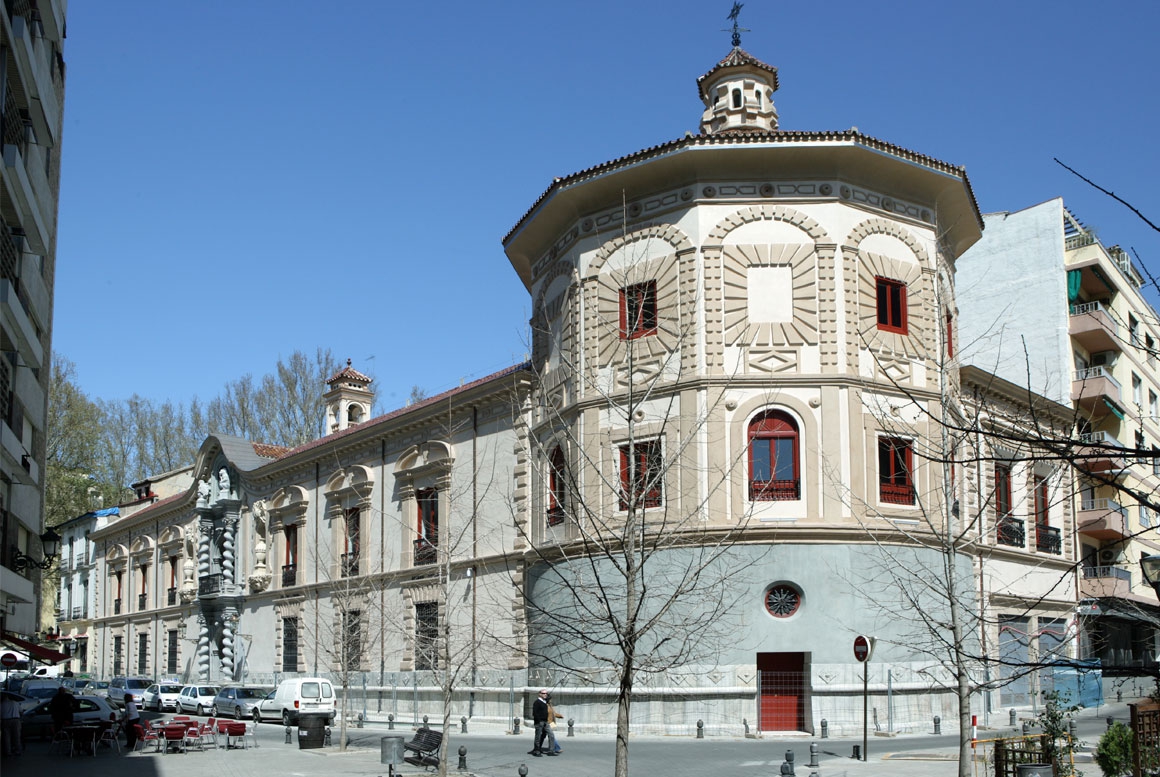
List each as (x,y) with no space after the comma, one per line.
(777,136)
(167,501)
(348,372)
(268,451)
(738,57)
(405,410)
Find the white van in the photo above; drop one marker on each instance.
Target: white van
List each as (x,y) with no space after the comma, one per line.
(295,696)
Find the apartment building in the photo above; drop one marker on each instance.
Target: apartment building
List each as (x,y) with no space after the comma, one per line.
(31,101)
(1074,323)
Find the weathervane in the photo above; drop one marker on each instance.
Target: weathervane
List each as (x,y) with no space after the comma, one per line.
(737,29)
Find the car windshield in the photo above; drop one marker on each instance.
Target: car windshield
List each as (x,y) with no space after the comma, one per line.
(101,684)
(171,689)
(207,691)
(250,693)
(41,693)
(137,684)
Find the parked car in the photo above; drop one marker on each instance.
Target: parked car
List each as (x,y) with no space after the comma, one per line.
(37,722)
(132,685)
(237,701)
(97,688)
(39,688)
(196,698)
(23,702)
(295,696)
(161,696)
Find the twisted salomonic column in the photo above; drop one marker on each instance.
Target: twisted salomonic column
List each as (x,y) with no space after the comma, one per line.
(203,549)
(229,626)
(203,651)
(229,537)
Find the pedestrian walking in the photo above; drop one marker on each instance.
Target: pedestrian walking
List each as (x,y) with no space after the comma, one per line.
(540,719)
(10,723)
(550,729)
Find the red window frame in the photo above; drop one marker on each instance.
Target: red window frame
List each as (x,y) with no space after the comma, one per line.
(767,434)
(291,536)
(641,473)
(638,310)
(1003,490)
(1042,505)
(950,336)
(427,502)
(891,298)
(557,486)
(895,471)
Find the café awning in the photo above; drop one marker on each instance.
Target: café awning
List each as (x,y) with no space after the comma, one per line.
(39,652)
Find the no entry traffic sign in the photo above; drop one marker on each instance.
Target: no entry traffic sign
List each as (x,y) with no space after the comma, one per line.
(8,660)
(861,648)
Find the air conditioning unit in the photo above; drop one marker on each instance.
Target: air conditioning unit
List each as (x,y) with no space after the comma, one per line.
(1108,556)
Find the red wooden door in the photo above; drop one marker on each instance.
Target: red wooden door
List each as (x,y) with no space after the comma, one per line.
(781,701)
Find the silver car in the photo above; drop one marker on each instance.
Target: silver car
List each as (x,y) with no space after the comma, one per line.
(237,701)
(161,696)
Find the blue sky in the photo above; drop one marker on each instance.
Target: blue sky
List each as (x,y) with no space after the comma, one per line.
(243,179)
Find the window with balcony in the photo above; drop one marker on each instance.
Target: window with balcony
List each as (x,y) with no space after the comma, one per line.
(426,635)
(289,644)
(290,557)
(950,336)
(641,475)
(1047,537)
(143,592)
(118,654)
(557,487)
(638,310)
(352,542)
(774,475)
(891,298)
(1003,490)
(895,471)
(1150,351)
(427,539)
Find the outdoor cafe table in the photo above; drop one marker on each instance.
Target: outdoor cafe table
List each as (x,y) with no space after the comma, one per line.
(83,738)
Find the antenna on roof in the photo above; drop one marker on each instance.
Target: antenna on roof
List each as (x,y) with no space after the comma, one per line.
(737,29)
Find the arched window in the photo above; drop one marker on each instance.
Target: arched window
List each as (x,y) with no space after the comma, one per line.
(557,486)
(736,98)
(773,458)
(354,414)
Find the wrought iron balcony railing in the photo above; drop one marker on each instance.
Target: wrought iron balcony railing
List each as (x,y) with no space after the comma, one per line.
(425,551)
(1048,539)
(349,564)
(171,596)
(290,574)
(774,490)
(210,584)
(142,601)
(1010,531)
(116,606)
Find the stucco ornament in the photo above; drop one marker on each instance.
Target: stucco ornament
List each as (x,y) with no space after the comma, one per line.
(224,483)
(260,578)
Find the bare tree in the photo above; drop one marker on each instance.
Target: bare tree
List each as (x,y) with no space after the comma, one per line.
(626,572)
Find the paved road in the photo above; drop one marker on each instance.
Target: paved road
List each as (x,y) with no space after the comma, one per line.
(494,754)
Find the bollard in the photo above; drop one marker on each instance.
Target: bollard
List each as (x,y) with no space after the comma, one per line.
(462,758)
(825,729)
(1013,721)
(700,729)
(571,722)
(425,722)
(463,725)
(937,724)
(813,764)
(787,765)
(1111,720)
(857,754)
(326,737)
(359,724)
(1071,730)
(516,726)
(287,735)
(391,722)
(745,723)
(1119,695)
(1026,727)
(523,770)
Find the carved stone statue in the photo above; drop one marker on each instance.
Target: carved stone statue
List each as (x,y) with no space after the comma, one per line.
(261,517)
(224,483)
(203,493)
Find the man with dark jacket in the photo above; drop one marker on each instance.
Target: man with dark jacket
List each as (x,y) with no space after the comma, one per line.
(61,709)
(540,718)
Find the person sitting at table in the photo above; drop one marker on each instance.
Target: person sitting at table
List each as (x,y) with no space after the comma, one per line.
(61,710)
(132,720)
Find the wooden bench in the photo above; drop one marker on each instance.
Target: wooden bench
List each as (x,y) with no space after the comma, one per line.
(425,747)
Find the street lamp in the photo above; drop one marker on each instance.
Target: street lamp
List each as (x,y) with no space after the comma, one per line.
(49,545)
(1150,565)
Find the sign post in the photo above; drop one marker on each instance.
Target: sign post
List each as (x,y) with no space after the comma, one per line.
(863,647)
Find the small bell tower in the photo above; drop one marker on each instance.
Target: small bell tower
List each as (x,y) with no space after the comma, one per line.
(348,401)
(738,91)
